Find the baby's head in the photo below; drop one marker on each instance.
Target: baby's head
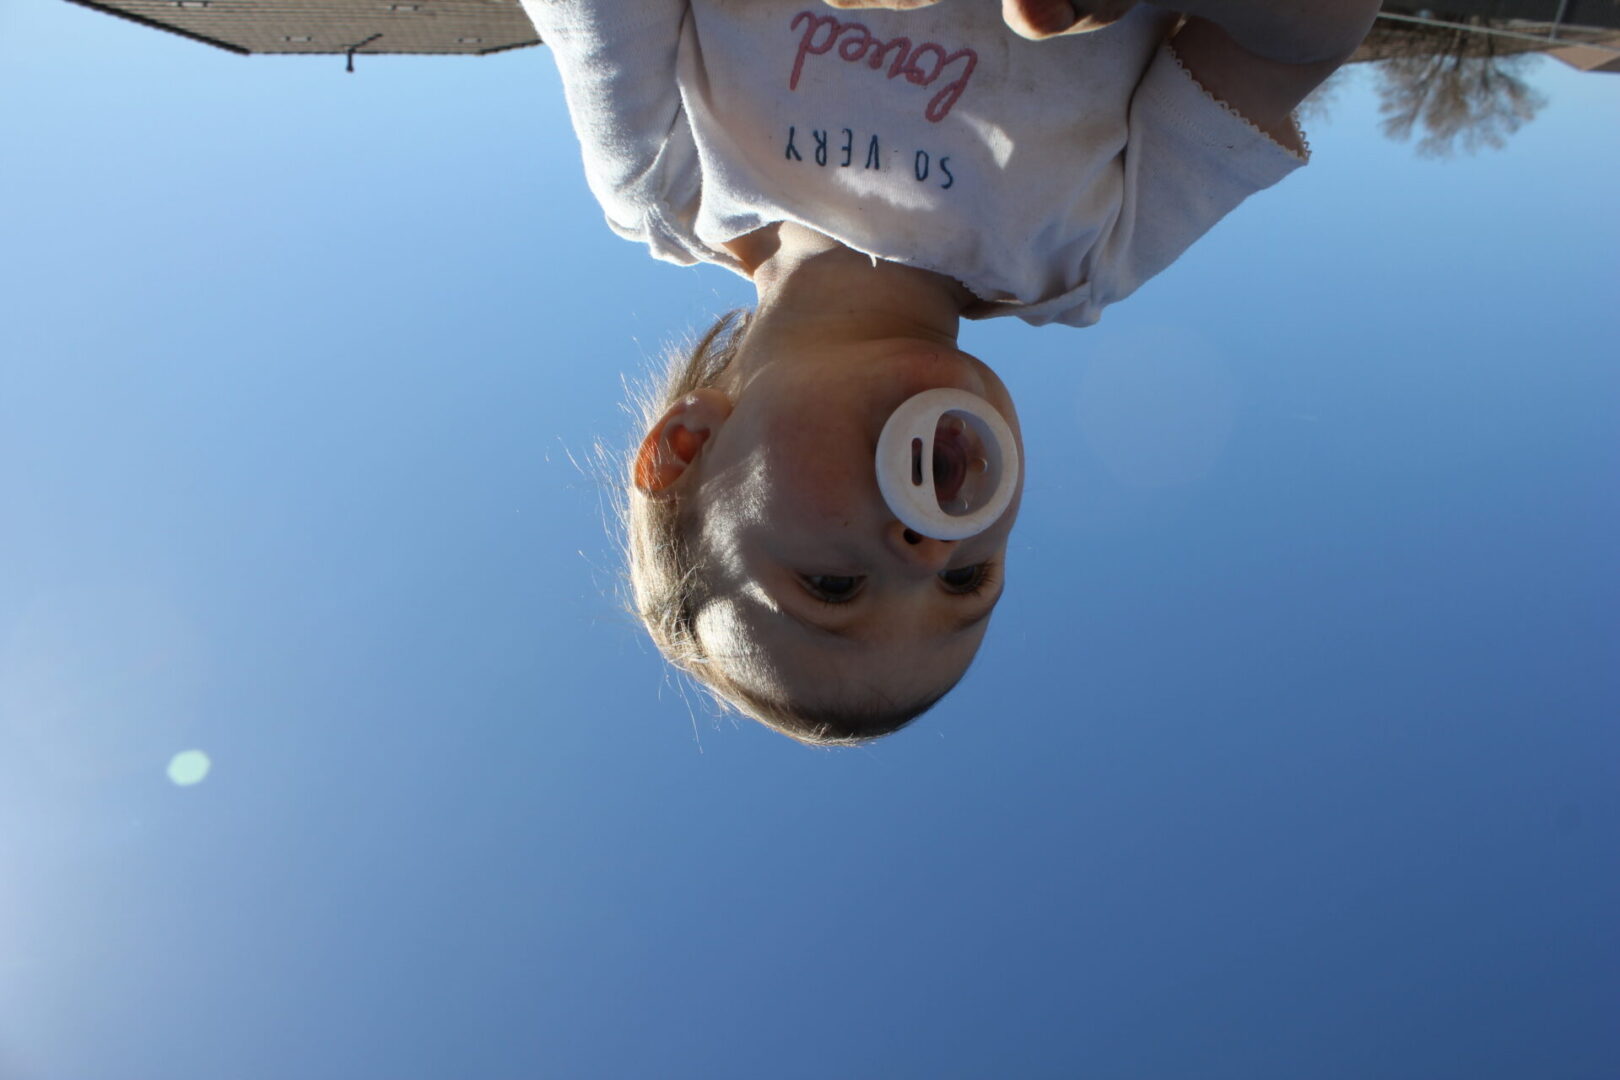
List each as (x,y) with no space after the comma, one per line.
(765,562)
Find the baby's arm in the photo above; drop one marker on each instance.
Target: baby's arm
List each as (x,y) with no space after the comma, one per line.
(1261,57)
(617,63)
(1209,124)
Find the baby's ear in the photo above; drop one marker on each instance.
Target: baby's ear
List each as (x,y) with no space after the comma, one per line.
(677,440)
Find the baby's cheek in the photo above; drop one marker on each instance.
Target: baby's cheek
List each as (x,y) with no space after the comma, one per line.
(826,491)
(805,472)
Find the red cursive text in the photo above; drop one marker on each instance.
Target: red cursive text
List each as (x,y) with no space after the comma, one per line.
(920,64)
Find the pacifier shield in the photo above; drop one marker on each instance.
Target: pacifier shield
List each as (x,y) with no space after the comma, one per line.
(947,464)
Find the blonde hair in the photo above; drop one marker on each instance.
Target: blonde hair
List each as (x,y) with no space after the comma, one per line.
(669,587)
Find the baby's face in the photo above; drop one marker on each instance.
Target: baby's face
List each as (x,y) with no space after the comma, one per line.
(822,588)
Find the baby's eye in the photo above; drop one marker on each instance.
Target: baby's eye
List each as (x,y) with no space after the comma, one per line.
(966,580)
(831,588)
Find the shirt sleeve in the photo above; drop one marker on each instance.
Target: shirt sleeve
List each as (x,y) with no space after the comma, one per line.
(1189,160)
(618,65)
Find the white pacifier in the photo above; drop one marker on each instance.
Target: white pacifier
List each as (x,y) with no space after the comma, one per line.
(947,464)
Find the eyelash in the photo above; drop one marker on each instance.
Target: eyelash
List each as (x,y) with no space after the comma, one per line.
(810,587)
(983,580)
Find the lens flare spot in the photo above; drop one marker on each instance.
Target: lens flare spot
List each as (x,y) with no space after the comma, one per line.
(189,767)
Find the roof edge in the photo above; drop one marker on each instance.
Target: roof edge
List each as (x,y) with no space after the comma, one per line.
(514,45)
(155,25)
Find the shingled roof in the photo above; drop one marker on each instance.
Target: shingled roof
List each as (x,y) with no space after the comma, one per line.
(342,27)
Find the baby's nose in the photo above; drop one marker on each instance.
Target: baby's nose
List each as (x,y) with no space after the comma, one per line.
(916,550)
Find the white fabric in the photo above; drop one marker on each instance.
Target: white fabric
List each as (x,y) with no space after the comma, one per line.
(1051,178)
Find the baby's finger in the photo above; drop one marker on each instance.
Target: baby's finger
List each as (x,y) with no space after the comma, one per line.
(1037,19)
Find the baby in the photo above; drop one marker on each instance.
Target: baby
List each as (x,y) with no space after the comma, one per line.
(878,178)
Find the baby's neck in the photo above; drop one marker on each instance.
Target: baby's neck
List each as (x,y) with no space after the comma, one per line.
(799,273)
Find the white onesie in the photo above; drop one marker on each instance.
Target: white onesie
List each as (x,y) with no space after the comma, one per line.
(1050,178)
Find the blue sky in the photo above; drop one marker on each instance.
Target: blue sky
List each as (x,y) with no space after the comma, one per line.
(1291,751)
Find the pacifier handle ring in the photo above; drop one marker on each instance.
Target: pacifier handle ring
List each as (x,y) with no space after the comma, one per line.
(911,497)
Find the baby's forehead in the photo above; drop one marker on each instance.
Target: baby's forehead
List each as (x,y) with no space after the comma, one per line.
(778,656)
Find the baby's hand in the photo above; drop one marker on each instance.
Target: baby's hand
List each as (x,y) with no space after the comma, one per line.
(891,5)
(1033,19)
(1037,19)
